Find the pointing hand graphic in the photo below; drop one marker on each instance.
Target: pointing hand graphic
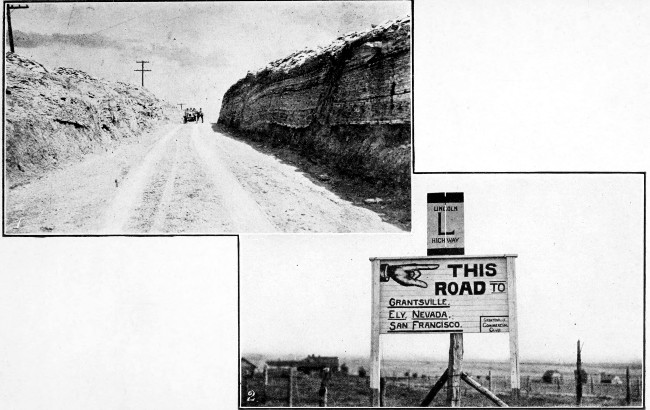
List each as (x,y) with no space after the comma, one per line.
(405,275)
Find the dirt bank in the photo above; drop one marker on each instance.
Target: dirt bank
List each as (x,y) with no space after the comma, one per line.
(349,104)
(55,117)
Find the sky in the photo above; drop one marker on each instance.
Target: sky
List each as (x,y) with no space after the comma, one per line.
(579,241)
(197,50)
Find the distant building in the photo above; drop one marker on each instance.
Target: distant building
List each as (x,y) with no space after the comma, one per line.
(610,379)
(247,368)
(310,363)
(584,377)
(319,362)
(552,376)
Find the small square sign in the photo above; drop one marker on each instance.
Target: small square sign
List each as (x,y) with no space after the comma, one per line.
(445,223)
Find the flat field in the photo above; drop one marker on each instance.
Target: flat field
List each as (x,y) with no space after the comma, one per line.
(401,391)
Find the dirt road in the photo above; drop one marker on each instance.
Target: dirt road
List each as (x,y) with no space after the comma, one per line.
(183,178)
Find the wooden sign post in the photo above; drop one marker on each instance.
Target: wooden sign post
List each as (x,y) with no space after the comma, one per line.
(446,236)
(513,332)
(375,365)
(441,293)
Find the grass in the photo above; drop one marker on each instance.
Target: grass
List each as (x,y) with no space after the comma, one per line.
(353,391)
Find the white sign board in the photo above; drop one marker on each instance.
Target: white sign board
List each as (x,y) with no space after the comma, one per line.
(445,294)
(445,223)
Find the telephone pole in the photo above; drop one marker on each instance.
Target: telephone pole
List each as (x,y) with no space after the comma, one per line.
(142,70)
(11,34)
(181,104)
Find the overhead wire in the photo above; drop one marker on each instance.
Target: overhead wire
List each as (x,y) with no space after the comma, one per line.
(133,18)
(70,17)
(117,24)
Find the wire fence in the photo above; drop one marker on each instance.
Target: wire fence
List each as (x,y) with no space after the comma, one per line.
(592,387)
(281,387)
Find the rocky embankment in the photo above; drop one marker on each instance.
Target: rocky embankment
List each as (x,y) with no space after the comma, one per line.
(348,104)
(55,117)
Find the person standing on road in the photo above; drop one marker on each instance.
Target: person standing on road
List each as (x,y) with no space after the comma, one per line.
(200,115)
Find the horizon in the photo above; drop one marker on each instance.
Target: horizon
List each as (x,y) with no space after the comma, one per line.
(630,362)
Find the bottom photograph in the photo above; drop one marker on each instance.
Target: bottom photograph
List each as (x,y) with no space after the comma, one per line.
(520,290)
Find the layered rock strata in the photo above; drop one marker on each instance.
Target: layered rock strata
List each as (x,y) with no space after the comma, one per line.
(54,117)
(349,103)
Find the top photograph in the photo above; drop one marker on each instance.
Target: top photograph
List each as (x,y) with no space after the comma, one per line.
(172,118)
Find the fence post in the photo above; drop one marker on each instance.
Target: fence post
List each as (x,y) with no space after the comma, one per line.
(490,381)
(266,381)
(382,392)
(628,398)
(322,393)
(557,381)
(578,376)
(591,380)
(527,385)
(292,375)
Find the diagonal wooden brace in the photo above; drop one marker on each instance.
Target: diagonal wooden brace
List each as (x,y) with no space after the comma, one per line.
(482,390)
(435,389)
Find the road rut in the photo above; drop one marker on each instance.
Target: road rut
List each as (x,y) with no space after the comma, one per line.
(182,179)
